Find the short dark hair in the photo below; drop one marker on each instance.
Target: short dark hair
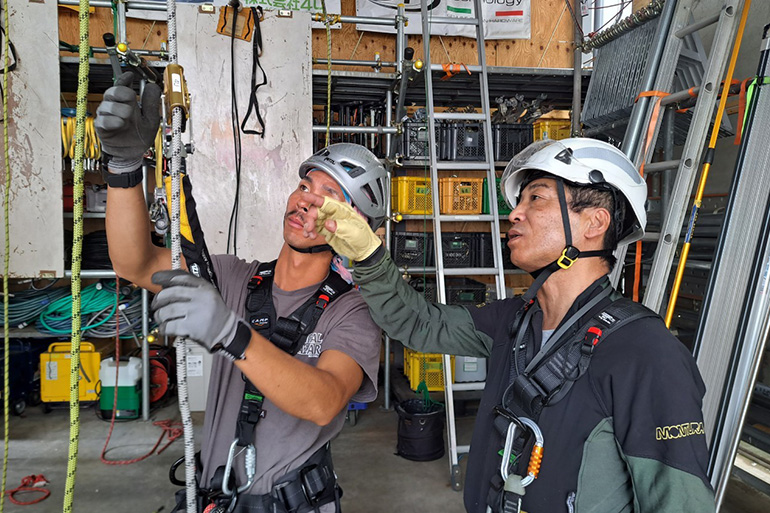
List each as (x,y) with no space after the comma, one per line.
(592,197)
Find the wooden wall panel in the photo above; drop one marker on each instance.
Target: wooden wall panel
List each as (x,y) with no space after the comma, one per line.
(142,34)
(551,45)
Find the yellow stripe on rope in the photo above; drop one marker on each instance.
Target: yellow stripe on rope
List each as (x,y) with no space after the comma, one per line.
(7,261)
(77,250)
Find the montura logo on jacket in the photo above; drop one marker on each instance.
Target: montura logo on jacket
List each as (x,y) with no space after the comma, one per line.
(679,431)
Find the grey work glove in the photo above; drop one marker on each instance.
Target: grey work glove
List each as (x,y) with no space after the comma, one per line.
(124,128)
(191,307)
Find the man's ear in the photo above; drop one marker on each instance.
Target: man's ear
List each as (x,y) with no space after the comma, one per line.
(597,221)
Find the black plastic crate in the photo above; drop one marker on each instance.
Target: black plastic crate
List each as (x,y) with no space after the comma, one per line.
(466,141)
(510,139)
(416,140)
(485,254)
(427,286)
(458,249)
(464,291)
(413,249)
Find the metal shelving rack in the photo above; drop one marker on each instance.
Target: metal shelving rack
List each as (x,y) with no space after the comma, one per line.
(103,72)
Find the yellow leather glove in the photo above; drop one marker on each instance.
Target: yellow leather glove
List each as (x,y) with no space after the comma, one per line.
(353,237)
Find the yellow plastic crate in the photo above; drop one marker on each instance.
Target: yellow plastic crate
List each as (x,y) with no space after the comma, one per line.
(426,367)
(555,129)
(55,373)
(461,195)
(411,195)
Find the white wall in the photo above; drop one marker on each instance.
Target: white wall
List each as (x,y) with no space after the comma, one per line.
(269,165)
(37,240)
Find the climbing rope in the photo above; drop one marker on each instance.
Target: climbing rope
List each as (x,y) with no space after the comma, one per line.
(77,251)
(176,263)
(7,256)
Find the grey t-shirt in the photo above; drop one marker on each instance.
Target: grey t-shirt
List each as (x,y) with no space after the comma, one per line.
(283,442)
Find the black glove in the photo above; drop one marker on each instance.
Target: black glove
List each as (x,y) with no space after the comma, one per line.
(191,307)
(125,129)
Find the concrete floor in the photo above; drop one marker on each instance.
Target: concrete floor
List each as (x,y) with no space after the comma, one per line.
(374,479)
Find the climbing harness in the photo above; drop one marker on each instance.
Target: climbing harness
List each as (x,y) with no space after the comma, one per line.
(547,379)
(288,334)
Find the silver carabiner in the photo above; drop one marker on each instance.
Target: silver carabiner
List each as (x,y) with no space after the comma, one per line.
(250,466)
(535,459)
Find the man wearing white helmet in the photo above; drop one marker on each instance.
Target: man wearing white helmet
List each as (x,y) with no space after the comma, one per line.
(597,379)
(297,340)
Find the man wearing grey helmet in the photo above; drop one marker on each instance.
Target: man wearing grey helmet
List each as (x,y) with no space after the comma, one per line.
(297,341)
(590,404)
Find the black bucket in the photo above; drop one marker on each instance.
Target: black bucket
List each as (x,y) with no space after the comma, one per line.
(420,430)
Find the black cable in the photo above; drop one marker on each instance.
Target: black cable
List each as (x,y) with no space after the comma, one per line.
(256,51)
(232,232)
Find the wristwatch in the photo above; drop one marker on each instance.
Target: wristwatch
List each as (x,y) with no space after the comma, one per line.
(123,180)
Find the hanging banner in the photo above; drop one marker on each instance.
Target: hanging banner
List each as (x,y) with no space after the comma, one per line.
(503,19)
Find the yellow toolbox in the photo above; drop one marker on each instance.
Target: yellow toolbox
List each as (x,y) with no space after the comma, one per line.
(55,373)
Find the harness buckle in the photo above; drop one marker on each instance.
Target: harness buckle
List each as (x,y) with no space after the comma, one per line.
(568,257)
(322,301)
(592,338)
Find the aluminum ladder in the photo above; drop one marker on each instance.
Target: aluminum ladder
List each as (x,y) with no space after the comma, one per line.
(488,167)
(675,24)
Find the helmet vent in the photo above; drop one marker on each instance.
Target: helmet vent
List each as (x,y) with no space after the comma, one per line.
(564,156)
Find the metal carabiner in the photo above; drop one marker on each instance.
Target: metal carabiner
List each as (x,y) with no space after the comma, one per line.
(249,464)
(535,458)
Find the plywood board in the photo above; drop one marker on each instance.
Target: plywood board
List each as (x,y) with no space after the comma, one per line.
(551,45)
(270,165)
(141,34)
(36,220)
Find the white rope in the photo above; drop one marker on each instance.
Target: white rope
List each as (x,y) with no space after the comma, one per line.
(176,263)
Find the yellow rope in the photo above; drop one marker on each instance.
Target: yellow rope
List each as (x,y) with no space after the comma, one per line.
(77,250)
(7,257)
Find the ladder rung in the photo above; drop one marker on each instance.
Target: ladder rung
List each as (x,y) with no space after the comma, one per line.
(446,20)
(462,387)
(473,68)
(665,165)
(467,217)
(460,116)
(463,449)
(473,271)
(689,29)
(464,166)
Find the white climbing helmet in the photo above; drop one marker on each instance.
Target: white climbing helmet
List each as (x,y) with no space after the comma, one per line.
(584,162)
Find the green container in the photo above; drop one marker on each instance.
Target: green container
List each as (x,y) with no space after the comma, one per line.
(129,402)
(502,207)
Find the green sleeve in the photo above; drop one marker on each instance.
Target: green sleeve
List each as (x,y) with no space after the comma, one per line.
(405,315)
(660,488)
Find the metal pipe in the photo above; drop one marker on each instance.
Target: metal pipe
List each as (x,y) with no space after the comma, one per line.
(145,356)
(388,227)
(388,22)
(89,273)
(122,34)
(667,183)
(577,76)
(654,167)
(689,29)
(356,129)
(638,114)
(145,6)
(400,41)
(347,62)
(591,132)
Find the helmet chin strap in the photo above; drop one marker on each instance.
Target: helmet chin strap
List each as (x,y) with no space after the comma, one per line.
(312,250)
(568,256)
